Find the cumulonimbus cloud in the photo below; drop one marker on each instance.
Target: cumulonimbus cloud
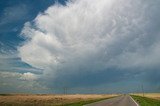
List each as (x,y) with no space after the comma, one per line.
(93,35)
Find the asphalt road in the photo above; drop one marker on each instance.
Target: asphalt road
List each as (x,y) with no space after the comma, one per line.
(124,100)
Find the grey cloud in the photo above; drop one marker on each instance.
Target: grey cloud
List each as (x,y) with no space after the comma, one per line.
(86,39)
(13,82)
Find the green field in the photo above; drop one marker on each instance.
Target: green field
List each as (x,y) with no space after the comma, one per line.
(144,101)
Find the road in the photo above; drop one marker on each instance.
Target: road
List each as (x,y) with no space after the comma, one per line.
(124,100)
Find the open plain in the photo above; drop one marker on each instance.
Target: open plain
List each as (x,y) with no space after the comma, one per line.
(45,99)
(149,95)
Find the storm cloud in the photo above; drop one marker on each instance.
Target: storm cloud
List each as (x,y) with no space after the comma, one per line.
(93,42)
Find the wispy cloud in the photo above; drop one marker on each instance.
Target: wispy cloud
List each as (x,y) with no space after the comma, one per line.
(13,14)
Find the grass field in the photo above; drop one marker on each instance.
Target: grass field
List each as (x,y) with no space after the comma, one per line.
(49,100)
(145,101)
(149,95)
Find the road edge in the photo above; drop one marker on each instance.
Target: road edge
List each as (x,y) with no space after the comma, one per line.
(102,100)
(134,101)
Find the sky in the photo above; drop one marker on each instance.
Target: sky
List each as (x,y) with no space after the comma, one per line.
(85,46)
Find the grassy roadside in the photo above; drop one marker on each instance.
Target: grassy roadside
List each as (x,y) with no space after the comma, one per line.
(144,101)
(81,103)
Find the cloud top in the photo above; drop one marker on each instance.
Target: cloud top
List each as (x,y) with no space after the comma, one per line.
(90,36)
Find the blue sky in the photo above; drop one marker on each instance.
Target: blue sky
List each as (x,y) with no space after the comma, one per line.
(14,13)
(107,46)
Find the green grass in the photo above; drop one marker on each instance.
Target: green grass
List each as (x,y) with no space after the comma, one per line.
(5,95)
(144,101)
(81,103)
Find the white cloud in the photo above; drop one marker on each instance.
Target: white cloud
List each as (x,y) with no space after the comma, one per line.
(92,35)
(25,76)
(28,76)
(17,82)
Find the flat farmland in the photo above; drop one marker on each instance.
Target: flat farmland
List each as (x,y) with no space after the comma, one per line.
(150,95)
(45,99)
